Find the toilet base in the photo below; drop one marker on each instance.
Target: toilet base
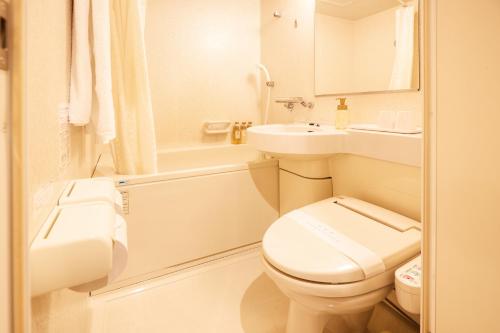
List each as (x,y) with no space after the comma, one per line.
(349,323)
(302,319)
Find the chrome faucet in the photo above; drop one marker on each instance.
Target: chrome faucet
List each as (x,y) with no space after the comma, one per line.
(289,102)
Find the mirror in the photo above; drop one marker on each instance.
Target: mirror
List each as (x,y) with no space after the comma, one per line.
(366,46)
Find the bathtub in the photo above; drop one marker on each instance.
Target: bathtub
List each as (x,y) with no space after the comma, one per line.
(202,203)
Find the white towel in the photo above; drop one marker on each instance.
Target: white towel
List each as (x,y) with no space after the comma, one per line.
(402,71)
(81,71)
(81,110)
(104,117)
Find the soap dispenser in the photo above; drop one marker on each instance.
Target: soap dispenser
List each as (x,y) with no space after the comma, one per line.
(342,115)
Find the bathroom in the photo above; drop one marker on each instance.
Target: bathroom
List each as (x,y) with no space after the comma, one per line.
(226,227)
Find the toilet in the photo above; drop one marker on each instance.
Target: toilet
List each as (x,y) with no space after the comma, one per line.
(336,259)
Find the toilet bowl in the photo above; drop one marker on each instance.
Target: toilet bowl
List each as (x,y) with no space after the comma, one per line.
(335,260)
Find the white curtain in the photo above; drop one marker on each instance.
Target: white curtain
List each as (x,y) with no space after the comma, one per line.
(134,149)
(402,71)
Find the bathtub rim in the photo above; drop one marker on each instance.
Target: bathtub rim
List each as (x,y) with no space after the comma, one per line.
(104,167)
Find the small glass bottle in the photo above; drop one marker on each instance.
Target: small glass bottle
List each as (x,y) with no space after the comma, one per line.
(236,134)
(244,127)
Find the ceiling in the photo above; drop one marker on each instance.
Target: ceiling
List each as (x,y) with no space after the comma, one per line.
(353,9)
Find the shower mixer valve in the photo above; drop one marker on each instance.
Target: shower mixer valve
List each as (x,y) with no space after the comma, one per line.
(289,102)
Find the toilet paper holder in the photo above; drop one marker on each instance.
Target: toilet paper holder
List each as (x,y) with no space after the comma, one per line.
(92,190)
(83,243)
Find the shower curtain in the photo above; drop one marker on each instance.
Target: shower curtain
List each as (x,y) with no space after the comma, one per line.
(402,71)
(134,149)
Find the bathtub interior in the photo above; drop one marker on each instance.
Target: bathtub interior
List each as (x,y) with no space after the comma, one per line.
(211,156)
(182,161)
(205,202)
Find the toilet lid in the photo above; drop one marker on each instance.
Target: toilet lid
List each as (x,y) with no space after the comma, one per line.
(340,240)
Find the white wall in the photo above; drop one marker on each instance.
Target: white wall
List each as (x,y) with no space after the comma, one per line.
(393,186)
(202,64)
(467,183)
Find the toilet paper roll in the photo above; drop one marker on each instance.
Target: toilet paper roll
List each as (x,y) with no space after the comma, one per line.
(120,257)
(120,248)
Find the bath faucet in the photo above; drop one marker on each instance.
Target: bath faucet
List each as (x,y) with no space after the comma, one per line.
(289,106)
(289,102)
(308,105)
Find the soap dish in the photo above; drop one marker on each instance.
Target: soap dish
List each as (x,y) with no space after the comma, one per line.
(217,127)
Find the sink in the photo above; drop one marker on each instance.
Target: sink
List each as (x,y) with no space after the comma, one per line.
(297,140)
(310,141)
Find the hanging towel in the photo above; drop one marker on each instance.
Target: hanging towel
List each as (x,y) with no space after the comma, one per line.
(134,149)
(80,104)
(402,71)
(82,109)
(104,116)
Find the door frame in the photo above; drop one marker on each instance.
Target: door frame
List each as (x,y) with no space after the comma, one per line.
(20,294)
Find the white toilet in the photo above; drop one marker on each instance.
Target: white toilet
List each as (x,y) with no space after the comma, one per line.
(335,259)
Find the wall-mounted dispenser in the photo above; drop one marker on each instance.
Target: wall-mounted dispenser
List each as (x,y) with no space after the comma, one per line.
(342,114)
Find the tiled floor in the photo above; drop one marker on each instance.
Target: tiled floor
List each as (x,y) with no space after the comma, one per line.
(230,295)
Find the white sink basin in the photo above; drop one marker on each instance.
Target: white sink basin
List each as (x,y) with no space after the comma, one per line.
(304,141)
(297,140)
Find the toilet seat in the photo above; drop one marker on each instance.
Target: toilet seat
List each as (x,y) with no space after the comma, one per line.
(308,259)
(329,290)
